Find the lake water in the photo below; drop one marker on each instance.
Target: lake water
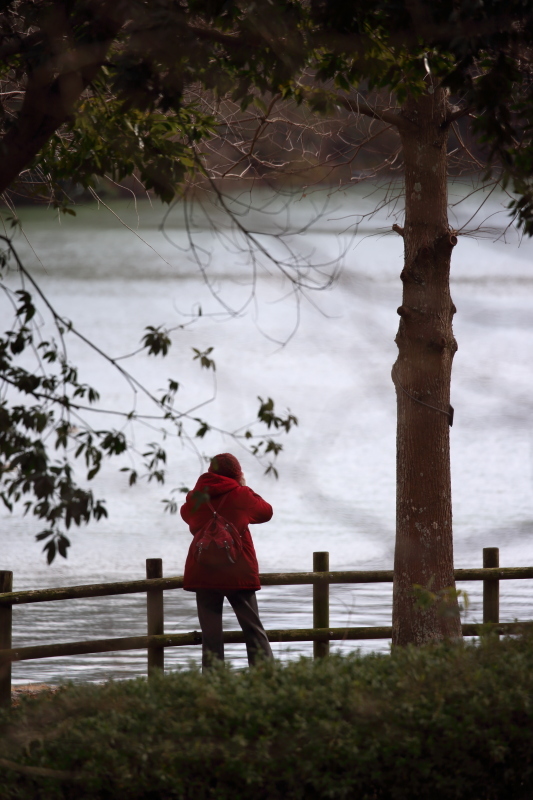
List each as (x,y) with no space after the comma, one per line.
(336,490)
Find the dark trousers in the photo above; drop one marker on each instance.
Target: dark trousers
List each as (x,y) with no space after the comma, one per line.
(244,603)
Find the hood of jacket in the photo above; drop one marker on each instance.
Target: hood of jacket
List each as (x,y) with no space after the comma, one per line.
(214,484)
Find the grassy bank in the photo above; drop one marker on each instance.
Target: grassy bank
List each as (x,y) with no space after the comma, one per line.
(446,722)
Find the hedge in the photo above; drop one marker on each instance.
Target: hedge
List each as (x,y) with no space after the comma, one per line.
(446,722)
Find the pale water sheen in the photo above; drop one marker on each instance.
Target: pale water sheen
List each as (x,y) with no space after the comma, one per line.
(337,486)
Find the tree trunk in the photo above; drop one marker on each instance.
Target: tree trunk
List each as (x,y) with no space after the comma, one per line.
(422,374)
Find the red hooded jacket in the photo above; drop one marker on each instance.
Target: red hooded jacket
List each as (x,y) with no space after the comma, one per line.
(241,507)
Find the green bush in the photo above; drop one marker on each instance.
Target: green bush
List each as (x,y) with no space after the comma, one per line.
(436,723)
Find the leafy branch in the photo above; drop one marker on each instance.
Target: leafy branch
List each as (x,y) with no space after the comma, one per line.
(45,430)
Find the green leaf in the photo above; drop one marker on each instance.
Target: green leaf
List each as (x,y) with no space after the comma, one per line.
(203,357)
(44,535)
(50,550)
(202,430)
(62,545)
(156,341)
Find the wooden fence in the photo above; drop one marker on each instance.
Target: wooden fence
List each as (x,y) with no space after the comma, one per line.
(156,640)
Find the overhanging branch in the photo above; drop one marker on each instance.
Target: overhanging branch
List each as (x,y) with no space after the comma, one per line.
(456,113)
(360,106)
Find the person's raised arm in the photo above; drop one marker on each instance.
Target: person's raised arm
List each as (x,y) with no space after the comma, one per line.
(258,509)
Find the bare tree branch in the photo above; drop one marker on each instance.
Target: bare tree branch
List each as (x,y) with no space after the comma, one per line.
(456,113)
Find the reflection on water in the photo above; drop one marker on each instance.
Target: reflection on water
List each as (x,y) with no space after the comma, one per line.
(337,486)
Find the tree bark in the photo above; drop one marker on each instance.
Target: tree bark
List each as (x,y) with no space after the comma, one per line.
(422,374)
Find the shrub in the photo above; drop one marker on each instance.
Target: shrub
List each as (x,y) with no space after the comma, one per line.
(436,723)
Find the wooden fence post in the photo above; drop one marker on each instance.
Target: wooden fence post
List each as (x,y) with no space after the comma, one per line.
(155,616)
(320,603)
(491,587)
(6,618)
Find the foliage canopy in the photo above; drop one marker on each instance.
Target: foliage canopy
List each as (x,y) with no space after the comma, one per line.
(439,721)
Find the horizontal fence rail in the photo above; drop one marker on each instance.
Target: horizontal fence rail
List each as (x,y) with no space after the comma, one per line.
(321,634)
(266,578)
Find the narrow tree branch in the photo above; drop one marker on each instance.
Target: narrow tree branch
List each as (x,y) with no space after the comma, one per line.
(456,113)
(137,33)
(476,161)
(359,106)
(228,40)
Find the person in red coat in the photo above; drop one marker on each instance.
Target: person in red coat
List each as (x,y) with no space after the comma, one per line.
(223,485)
